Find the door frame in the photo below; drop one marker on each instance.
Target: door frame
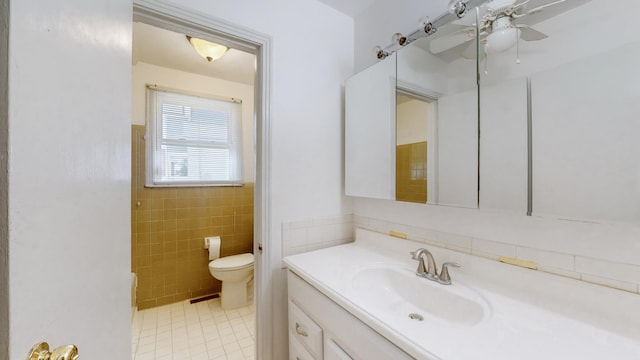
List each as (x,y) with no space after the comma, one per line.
(175,18)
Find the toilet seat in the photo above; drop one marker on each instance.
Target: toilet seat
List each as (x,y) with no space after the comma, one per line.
(233,262)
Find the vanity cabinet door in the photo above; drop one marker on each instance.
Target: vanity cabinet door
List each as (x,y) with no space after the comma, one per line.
(334,352)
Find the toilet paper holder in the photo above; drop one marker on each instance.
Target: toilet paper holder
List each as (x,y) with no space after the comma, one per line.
(212,245)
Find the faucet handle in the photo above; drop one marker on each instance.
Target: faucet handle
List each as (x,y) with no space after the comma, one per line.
(417,255)
(444,277)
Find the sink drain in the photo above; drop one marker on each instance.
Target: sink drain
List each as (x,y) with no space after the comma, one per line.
(414,316)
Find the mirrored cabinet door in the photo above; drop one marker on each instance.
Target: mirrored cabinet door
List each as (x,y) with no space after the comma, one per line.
(370,111)
(437,125)
(503,146)
(415,117)
(411,131)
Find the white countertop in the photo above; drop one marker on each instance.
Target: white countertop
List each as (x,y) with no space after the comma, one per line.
(530,314)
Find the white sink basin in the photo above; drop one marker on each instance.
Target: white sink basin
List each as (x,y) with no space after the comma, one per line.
(401,292)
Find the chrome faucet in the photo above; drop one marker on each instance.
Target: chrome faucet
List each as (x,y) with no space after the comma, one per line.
(430,271)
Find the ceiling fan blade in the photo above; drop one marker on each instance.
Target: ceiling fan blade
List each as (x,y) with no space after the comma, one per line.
(445,43)
(540,8)
(513,9)
(519,5)
(551,9)
(529,34)
(471,53)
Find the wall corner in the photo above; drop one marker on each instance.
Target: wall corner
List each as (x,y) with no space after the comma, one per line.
(4,181)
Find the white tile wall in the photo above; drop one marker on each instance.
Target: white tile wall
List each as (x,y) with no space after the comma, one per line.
(316,233)
(456,242)
(607,269)
(547,258)
(492,249)
(612,274)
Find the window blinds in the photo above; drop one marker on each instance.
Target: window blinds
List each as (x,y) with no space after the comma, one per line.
(192,140)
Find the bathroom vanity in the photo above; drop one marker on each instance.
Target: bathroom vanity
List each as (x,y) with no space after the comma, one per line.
(321,329)
(364,301)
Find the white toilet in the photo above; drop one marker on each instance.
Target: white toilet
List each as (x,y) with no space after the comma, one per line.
(235,272)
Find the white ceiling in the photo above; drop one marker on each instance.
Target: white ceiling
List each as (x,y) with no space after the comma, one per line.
(169,49)
(349,7)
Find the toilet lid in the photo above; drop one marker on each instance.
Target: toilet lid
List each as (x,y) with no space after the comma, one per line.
(233,262)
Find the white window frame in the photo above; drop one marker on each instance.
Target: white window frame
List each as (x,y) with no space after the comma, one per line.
(154,140)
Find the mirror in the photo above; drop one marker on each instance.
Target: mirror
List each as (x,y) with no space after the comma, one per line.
(585,144)
(578,91)
(425,150)
(503,146)
(558,118)
(437,126)
(414,115)
(370,117)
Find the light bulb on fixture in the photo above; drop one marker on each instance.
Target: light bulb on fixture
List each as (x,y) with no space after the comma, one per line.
(399,39)
(501,40)
(458,7)
(206,49)
(503,36)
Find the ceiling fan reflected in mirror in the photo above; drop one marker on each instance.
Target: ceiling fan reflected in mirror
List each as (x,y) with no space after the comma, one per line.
(502,24)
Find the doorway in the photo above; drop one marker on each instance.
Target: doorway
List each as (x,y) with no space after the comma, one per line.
(183,22)
(416,147)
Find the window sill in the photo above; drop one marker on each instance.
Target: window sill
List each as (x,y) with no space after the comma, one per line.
(193,185)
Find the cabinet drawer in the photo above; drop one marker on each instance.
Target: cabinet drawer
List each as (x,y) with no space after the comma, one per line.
(296,350)
(305,330)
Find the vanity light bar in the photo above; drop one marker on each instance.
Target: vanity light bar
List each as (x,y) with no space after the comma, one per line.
(457,11)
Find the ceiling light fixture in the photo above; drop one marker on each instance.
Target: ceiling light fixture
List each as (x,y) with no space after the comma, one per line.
(502,37)
(501,40)
(206,49)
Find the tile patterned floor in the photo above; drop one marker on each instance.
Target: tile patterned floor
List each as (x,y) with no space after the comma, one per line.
(184,331)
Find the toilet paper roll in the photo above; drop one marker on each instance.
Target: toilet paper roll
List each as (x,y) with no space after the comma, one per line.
(214,247)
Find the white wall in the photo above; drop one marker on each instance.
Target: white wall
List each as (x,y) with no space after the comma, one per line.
(614,243)
(412,122)
(69,176)
(311,60)
(146,74)
(420,72)
(4,190)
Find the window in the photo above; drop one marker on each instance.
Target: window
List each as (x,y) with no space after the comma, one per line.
(192,141)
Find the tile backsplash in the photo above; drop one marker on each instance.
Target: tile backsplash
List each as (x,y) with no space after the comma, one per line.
(317,233)
(603,272)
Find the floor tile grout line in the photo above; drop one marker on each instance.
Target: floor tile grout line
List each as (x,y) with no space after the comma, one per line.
(192,322)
